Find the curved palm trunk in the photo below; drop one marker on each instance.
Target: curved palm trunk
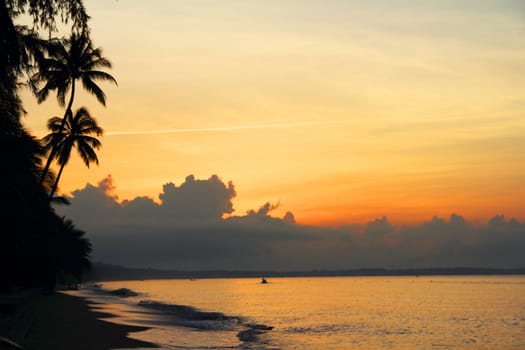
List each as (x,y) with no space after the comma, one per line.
(55,185)
(53,150)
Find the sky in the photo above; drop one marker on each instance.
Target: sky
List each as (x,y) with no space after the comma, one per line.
(340,112)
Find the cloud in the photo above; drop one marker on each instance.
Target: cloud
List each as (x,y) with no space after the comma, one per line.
(198,199)
(193,227)
(226,128)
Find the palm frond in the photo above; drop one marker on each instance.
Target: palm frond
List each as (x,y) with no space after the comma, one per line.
(82,112)
(64,151)
(91,141)
(52,139)
(54,123)
(87,154)
(100,75)
(86,125)
(94,89)
(62,91)
(98,62)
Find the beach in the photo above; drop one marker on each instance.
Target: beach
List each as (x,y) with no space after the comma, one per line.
(64,322)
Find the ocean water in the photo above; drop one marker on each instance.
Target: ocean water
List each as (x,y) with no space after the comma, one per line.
(437,312)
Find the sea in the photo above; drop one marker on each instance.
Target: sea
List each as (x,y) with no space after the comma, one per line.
(392,312)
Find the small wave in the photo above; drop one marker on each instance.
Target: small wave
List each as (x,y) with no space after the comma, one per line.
(123,292)
(250,334)
(119,292)
(188,316)
(185,312)
(399,331)
(322,329)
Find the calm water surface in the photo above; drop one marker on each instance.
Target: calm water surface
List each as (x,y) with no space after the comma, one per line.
(438,312)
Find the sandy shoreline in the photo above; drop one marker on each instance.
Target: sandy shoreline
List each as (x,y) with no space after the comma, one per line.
(65,322)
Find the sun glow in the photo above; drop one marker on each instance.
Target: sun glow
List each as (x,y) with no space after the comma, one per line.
(340,113)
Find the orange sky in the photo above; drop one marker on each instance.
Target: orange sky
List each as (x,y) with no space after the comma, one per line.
(340,111)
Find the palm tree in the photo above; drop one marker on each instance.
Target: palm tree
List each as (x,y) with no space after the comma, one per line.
(72,131)
(72,249)
(70,60)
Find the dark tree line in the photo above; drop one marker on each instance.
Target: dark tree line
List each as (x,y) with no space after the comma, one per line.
(37,245)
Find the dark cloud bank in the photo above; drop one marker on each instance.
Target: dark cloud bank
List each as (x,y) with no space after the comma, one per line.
(188,231)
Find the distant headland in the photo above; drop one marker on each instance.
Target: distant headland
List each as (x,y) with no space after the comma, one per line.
(108,272)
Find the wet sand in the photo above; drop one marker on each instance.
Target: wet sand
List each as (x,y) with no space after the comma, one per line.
(65,322)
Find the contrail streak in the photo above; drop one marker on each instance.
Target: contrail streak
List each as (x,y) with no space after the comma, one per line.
(221,129)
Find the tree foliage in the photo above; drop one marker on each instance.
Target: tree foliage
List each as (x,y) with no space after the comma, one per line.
(66,62)
(30,230)
(70,60)
(46,12)
(78,131)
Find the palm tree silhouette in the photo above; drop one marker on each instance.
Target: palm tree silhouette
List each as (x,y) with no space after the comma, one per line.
(25,207)
(72,131)
(72,248)
(70,60)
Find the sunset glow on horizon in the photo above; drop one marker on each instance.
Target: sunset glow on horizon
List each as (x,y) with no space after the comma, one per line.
(342,112)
